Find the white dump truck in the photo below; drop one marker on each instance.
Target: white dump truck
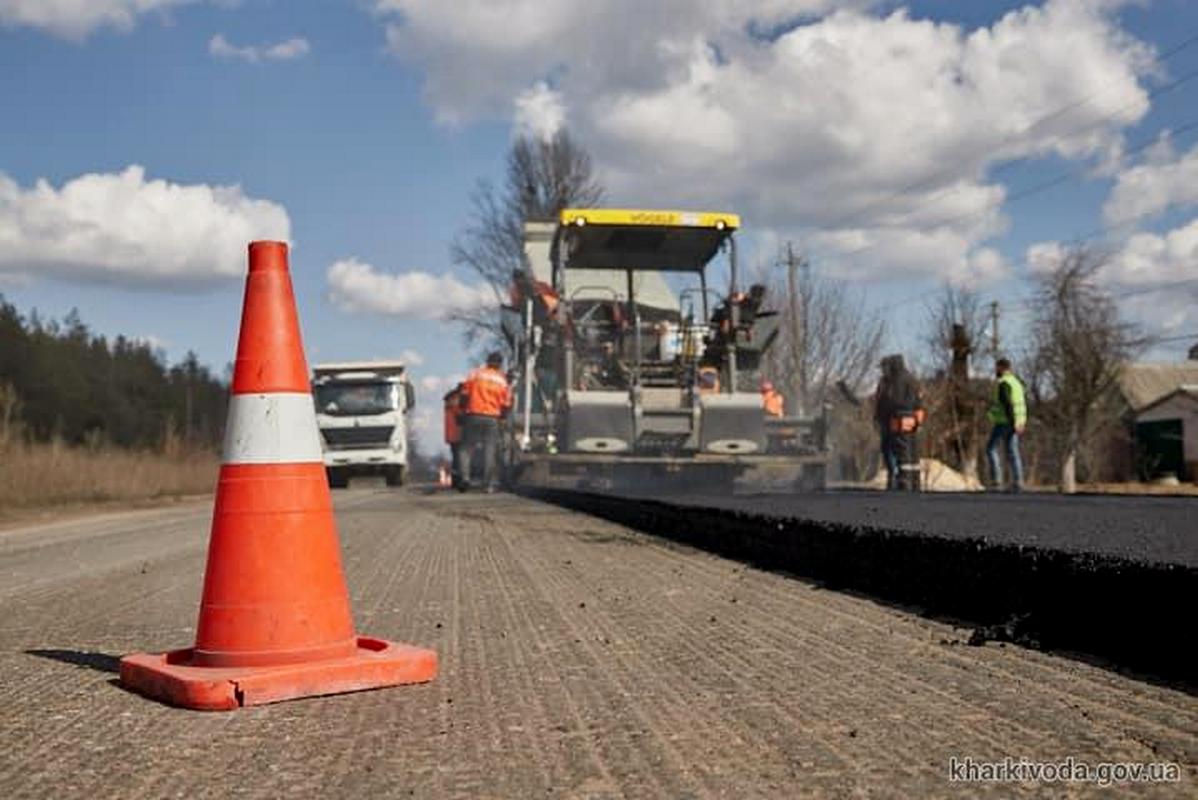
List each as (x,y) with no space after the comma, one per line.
(361,409)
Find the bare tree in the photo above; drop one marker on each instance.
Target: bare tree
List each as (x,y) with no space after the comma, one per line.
(10,416)
(1081,344)
(956,307)
(956,322)
(834,339)
(828,346)
(542,178)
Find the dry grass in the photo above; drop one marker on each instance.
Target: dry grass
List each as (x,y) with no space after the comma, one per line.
(38,476)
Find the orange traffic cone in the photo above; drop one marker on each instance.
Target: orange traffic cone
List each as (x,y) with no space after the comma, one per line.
(274,620)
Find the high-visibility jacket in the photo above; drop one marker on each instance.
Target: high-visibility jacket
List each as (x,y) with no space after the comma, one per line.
(774,403)
(487,393)
(453,408)
(908,421)
(543,291)
(997,413)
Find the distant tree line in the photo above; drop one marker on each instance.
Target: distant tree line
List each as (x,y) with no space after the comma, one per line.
(64,381)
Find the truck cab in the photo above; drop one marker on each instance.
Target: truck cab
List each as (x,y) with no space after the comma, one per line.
(361,410)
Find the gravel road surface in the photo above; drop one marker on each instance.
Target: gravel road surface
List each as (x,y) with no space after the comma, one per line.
(579,659)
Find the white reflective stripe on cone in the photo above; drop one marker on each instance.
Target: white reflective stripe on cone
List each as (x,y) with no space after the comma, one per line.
(272,429)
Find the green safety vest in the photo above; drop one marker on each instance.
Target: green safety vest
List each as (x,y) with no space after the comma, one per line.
(998,414)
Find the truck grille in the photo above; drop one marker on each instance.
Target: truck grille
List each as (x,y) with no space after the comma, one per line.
(358,438)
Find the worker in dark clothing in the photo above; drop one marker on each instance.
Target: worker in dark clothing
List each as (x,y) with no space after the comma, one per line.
(748,305)
(899,412)
(611,372)
(453,431)
(486,398)
(1008,414)
(722,337)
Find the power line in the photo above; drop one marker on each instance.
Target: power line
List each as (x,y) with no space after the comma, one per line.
(1012,137)
(1051,182)
(1180,338)
(1028,302)
(1035,189)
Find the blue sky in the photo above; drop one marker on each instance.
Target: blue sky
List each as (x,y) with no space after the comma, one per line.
(339,137)
(373,138)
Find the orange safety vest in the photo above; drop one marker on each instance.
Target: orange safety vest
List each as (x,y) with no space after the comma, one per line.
(774,403)
(453,407)
(908,423)
(543,291)
(487,393)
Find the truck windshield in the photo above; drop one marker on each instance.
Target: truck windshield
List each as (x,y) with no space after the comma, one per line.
(350,399)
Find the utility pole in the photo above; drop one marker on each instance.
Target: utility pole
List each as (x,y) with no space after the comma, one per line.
(994,340)
(796,329)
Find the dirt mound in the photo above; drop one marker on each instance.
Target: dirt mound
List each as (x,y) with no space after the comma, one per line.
(937,477)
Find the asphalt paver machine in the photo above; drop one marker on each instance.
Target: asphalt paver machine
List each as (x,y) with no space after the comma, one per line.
(632,370)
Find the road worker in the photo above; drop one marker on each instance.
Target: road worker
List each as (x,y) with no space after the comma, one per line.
(1008,414)
(722,337)
(453,431)
(486,398)
(899,412)
(545,299)
(748,304)
(772,400)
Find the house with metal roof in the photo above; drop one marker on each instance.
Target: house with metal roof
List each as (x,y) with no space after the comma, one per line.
(1163,403)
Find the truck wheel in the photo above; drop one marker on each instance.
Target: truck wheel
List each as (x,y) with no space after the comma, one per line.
(394,476)
(338,479)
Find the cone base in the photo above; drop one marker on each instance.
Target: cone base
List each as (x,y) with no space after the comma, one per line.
(171,678)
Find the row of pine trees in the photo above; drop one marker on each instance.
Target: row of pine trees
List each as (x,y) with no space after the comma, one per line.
(79,387)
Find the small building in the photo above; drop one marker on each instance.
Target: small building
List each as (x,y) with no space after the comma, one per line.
(1162,407)
(1167,434)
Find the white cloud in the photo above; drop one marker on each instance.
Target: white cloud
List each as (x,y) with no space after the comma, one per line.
(438,385)
(1150,258)
(220,47)
(122,228)
(1163,266)
(1043,257)
(482,53)
(986,265)
(411,358)
(355,286)
(540,113)
(851,127)
(1142,260)
(76,19)
(1151,276)
(1164,181)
